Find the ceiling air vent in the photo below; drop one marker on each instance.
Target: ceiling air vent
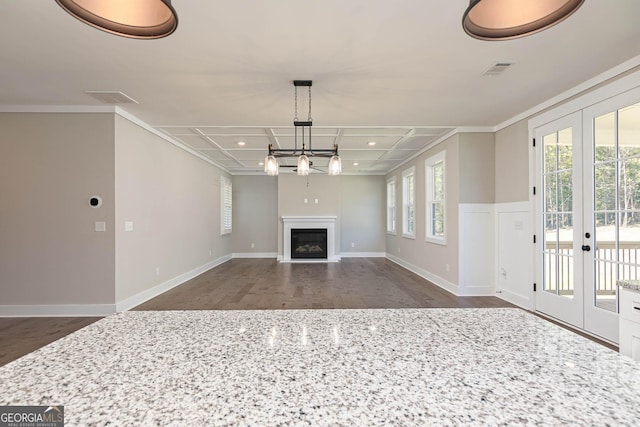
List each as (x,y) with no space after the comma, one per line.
(111,97)
(497,68)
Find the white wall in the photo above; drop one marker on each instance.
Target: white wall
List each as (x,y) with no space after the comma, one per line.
(173,200)
(50,255)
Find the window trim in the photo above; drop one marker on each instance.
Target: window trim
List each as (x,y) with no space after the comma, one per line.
(392,182)
(225,183)
(405,174)
(428,168)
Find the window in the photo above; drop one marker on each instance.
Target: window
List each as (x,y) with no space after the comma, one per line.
(226,205)
(391,206)
(408,205)
(434,167)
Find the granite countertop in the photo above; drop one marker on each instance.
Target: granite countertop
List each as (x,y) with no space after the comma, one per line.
(328,367)
(634,285)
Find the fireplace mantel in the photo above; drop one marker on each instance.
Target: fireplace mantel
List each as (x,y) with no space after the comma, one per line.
(322,222)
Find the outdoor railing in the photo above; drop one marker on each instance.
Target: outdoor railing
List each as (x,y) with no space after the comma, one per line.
(606,265)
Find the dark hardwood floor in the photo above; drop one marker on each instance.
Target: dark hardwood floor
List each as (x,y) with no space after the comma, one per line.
(20,336)
(251,284)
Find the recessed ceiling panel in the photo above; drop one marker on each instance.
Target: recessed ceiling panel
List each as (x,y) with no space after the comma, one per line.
(257,155)
(431,131)
(215,153)
(381,142)
(197,142)
(221,130)
(178,131)
(360,154)
(250,142)
(315,130)
(376,131)
(416,142)
(398,154)
(318,142)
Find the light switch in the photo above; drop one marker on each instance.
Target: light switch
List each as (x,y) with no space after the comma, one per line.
(101,226)
(128,226)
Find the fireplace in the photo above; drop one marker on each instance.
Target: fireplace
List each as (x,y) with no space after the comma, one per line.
(315,223)
(309,243)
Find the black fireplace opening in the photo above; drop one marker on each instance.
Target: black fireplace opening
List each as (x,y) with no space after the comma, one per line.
(309,243)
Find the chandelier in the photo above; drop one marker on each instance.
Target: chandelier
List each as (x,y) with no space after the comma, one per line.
(302,148)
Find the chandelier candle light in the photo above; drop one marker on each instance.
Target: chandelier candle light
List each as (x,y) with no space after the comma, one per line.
(303,134)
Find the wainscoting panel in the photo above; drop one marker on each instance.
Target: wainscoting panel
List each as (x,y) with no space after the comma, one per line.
(477,264)
(514,253)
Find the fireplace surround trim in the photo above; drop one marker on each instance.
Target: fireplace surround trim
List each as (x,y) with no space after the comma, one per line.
(322,222)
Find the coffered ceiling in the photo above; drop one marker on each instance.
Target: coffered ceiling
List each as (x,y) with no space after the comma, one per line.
(398,73)
(362,149)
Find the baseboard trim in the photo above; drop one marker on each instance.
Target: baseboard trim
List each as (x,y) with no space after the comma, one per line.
(146,295)
(477,291)
(436,280)
(58,310)
(363,254)
(254,255)
(514,298)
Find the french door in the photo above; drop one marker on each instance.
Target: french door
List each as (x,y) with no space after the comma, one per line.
(560,235)
(588,212)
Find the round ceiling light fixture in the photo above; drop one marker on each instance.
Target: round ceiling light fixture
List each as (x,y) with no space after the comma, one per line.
(137,19)
(508,19)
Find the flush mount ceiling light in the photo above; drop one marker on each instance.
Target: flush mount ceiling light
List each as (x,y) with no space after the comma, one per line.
(509,19)
(302,139)
(138,19)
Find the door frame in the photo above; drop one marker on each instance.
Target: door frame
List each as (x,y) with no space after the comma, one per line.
(569,310)
(556,109)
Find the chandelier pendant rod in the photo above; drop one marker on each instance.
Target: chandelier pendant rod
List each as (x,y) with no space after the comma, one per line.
(306,150)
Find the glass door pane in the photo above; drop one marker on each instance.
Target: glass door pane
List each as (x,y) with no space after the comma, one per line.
(557,193)
(616,202)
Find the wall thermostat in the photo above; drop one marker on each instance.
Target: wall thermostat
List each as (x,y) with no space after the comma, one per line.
(95,201)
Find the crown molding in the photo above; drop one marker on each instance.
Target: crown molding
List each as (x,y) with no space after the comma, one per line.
(57,109)
(135,120)
(576,90)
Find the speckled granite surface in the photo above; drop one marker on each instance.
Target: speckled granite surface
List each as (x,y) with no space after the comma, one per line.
(634,285)
(328,367)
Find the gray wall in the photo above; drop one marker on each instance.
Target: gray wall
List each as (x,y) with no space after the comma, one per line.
(512,163)
(173,199)
(477,168)
(362,213)
(255,214)
(432,257)
(49,167)
(293,189)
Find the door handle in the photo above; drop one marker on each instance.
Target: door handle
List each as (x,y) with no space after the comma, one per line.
(586,248)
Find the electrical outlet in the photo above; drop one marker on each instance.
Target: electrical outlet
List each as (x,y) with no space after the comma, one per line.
(157,271)
(306,201)
(209,252)
(353,245)
(316,201)
(253,245)
(446,267)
